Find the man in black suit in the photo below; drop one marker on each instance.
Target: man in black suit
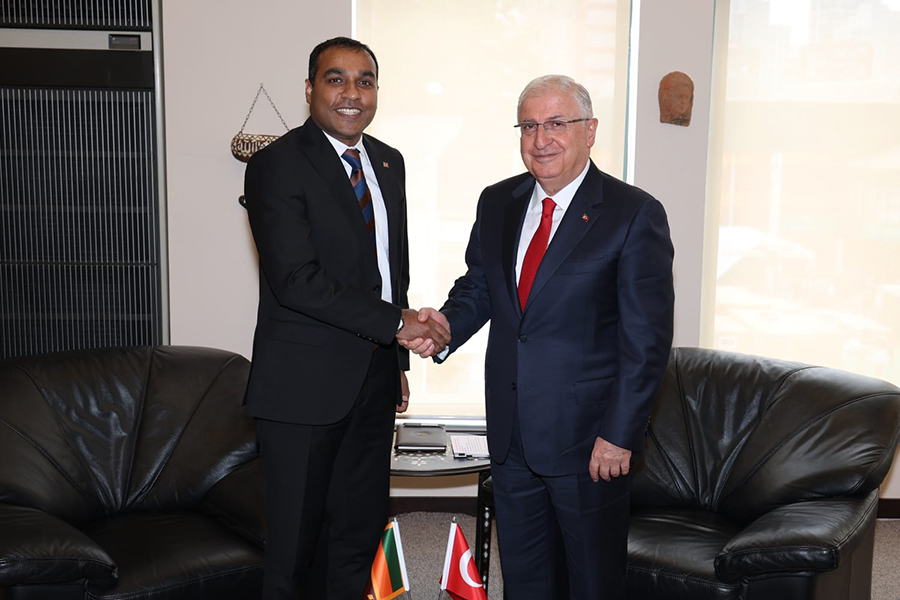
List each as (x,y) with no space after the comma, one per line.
(327,206)
(573,268)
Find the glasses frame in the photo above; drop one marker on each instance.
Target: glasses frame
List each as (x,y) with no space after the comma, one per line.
(523,133)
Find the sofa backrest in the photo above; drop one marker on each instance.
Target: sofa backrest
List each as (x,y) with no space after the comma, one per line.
(739,434)
(91,433)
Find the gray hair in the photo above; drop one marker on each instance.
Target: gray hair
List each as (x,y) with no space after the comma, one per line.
(559,83)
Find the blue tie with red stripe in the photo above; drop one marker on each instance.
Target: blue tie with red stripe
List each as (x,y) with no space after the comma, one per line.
(358,181)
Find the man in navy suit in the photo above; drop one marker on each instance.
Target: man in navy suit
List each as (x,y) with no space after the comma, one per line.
(327,206)
(573,268)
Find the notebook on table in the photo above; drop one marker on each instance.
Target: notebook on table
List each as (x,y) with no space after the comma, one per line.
(421,438)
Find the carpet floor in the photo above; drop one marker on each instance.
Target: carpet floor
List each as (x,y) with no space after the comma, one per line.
(424,536)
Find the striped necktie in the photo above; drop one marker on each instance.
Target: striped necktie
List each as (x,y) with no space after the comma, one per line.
(358,181)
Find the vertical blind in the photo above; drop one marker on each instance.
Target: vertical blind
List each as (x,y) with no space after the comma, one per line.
(808,184)
(79,237)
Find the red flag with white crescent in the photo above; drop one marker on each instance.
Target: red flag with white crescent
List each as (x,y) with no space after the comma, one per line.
(461,578)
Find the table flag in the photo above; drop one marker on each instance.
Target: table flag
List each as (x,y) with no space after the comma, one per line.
(461,578)
(388,578)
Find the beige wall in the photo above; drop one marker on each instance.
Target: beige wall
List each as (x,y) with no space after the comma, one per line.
(216,52)
(670,161)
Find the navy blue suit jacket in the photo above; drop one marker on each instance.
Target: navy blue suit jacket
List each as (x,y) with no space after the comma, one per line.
(587,356)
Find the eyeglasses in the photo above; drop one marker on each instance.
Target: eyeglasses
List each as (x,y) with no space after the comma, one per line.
(550,127)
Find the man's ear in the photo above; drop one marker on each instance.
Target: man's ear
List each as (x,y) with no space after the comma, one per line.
(592,132)
(309,87)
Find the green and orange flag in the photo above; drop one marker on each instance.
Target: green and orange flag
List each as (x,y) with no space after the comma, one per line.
(388,578)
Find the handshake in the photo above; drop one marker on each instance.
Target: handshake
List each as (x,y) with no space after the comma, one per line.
(425,332)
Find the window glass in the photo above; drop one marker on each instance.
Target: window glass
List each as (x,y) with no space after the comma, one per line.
(808,184)
(450,77)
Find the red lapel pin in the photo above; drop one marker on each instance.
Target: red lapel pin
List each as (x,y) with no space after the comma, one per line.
(584,217)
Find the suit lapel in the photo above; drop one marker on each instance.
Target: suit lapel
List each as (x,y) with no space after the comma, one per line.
(513,219)
(321,155)
(572,228)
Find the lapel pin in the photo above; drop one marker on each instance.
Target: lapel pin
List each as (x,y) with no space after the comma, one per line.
(584,217)
(385,165)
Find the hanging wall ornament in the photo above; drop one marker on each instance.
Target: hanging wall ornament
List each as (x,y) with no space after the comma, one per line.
(243,145)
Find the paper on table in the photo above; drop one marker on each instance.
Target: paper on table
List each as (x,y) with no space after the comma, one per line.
(469,445)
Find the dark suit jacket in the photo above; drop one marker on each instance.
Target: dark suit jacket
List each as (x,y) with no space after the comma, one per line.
(587,357)
(320,308)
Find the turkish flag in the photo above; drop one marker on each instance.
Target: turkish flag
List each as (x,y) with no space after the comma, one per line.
(461,578)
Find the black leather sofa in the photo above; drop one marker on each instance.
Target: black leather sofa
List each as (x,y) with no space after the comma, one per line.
(128,474)
(760,481)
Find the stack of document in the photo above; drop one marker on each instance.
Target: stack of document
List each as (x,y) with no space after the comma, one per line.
(465,446)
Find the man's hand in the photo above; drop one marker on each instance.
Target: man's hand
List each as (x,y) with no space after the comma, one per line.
(404,393)
(418,331)
(427,347)
(608,461)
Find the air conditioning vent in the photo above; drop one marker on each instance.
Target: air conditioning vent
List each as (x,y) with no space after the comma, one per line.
(77,14)
(79,232)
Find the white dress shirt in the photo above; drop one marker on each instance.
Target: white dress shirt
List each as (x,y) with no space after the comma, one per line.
(381,224)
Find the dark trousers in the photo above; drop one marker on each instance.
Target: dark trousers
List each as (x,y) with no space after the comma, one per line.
(562,537)
(326,493)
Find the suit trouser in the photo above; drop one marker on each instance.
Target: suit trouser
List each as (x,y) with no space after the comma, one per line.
(326,492)
(560,537)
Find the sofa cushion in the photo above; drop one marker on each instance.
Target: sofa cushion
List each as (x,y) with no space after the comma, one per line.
(672,553)
(36,548)
(92,433)
(741,435)
(177,555)
(39,467)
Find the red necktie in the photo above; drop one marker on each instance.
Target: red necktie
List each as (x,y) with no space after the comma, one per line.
(535,251)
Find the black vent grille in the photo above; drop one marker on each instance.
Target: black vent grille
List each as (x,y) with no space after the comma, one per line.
(79,232)
(77,14)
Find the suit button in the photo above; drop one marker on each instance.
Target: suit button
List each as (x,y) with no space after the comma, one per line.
(512,386)
(523,338)
(377,289)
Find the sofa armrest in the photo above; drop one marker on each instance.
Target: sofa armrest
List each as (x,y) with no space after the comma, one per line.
(36,547)
(805,536)
(237,501)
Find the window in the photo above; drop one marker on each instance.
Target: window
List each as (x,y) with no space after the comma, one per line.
(450,77)
(808,184)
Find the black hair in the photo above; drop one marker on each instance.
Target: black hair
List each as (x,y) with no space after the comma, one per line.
(338,42)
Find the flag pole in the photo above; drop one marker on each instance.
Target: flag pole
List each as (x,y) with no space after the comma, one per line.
(396,526)
(448,557)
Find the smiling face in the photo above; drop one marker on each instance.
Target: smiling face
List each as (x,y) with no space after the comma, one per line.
(344,97)
(555,160)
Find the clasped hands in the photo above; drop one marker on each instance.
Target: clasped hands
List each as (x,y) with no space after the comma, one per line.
(425,332)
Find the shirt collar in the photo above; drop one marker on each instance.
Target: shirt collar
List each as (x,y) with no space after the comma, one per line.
(563,197)
(340,147)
